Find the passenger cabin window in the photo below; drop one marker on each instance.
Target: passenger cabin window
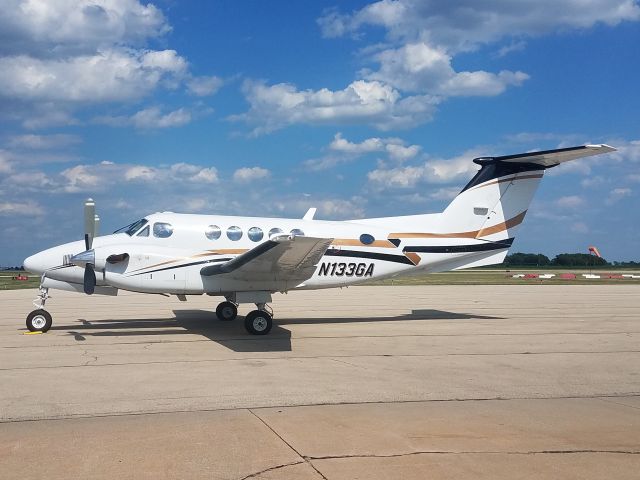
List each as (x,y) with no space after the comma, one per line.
(255,234)
(144,232)
(275,231)
(162,230)
(296,232)
(234,233)
(213,232)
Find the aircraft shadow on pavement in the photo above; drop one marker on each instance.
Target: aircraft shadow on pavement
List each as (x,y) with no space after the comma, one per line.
(232,334)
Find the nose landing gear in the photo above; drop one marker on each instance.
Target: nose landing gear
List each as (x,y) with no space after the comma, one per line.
(40,320)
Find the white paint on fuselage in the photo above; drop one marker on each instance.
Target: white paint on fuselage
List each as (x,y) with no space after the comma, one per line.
(188,241)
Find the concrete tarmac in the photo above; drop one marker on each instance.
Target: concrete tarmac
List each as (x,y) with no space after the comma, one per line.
(366,382)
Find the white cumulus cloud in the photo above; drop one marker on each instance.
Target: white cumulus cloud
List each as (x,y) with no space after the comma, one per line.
(29,208)
(275,106)
(204,86)
(570,202)
(246,175)
(430,171)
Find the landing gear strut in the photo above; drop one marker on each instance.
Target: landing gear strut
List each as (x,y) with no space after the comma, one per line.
(40,320)
(257,322)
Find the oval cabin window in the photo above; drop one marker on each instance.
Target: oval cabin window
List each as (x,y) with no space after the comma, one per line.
(213,232)
(234,233)
(255,234)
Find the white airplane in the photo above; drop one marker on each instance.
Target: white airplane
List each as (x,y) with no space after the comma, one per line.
(247,259)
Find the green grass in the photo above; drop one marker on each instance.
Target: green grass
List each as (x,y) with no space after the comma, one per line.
(7,282)
(503,277)
(482,276)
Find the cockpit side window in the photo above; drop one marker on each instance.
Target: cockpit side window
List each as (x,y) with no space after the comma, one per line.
(162,230)
(144,232)
(132,228)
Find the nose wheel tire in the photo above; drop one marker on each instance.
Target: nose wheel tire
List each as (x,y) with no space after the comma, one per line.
(227,311)
(258,322)
(39,321)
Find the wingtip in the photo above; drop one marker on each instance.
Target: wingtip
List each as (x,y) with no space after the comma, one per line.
(603,147)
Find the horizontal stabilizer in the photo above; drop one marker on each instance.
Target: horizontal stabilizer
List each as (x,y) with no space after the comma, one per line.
(549,158)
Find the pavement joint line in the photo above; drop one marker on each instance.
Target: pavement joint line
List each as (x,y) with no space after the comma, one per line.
(321,337)
(324,404)
(94,358)
(304,458)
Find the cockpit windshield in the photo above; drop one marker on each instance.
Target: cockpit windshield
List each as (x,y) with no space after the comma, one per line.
(133,227)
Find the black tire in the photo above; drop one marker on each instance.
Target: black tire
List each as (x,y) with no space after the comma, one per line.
(227,311)
(258,322)
(39,321)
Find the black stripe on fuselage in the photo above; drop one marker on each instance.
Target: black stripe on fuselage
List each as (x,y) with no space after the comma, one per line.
(332,252)
(60,267)
(202,262)
(477,247)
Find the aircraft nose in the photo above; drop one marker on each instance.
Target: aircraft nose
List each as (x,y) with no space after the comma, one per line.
(36,263)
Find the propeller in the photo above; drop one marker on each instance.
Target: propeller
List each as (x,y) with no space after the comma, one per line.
(88,257)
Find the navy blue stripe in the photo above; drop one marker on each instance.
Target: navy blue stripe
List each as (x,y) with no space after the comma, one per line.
(371,255)
(477,247)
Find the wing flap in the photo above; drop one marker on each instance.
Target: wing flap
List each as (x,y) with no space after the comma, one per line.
(280,259)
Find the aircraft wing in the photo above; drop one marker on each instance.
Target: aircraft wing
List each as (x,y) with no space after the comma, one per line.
(550,158)
(291,259)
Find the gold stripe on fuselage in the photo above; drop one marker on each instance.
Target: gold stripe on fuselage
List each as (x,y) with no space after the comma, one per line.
(500,227)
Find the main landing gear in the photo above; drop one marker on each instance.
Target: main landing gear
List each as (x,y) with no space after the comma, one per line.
(227,311)
(256,322)
(40,320)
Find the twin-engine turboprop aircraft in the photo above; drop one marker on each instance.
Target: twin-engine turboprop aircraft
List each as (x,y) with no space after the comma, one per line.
(247,259)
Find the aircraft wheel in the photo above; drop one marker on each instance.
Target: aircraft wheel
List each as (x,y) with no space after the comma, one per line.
(227,311)
(39,321)
(258,322)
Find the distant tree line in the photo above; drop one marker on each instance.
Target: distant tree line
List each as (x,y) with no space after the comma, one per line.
(562,260)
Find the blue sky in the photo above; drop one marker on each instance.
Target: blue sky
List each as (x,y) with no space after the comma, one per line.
(357,108)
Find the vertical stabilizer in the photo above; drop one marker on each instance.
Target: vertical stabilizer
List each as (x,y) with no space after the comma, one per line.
(494,203)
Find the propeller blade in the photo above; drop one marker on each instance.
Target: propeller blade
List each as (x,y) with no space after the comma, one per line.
(89,279)
(89,222)
(96,227)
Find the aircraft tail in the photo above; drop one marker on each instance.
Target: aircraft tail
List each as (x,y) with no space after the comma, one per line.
(479,225)
(494,203)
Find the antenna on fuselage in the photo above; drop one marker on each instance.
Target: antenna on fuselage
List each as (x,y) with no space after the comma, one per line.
(310,214)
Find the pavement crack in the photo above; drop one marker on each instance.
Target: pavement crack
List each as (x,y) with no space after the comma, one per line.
(302,457)
(473,452)
(271,469)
